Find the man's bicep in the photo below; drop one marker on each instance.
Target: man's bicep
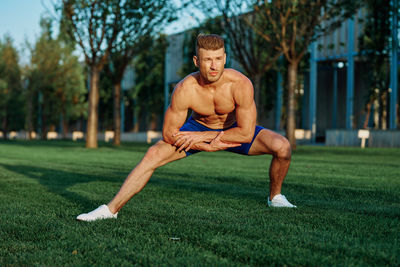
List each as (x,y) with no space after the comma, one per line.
(173,120)
(246,112)
(175,116)
(246,116)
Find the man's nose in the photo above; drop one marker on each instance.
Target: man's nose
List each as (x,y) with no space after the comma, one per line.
(213,65)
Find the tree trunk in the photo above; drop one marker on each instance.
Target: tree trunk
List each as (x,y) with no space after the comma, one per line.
(93,119)
(64,126)
(117,114)
(29,119)
(5,124)
(135,117)
(257,100)
(384,111)
(367,116)
(376,113)
(44,129)
(291,104)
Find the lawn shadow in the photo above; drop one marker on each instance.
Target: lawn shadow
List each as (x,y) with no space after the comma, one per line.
(353,200)
(128,146)
(231,187)
(43,143)
(349,163)
(58,181)
(344,151)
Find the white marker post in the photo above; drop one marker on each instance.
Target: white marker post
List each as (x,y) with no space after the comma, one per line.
(364,135)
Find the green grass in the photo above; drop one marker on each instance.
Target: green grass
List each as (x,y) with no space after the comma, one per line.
(215,203)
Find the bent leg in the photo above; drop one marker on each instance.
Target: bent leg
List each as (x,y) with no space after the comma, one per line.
(156,156)
(269,142)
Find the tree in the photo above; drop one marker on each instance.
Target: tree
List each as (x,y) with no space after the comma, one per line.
(11,107)
(374,48)
(94,25)
(56,80)
(295,24)
(149,80)
(139,21)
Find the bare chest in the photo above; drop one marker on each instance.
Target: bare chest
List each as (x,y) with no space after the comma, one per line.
(213,103)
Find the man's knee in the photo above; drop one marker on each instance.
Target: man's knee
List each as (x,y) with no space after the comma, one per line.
(282,147)
(156,154)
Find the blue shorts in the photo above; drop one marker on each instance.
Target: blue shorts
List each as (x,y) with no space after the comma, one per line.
(193,126)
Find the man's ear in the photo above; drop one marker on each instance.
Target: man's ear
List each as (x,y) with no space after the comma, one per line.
(224,58)
(196,63)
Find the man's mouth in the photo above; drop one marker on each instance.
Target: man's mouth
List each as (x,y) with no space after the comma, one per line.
(214,73)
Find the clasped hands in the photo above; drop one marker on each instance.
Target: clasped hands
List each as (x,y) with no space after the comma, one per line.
(201,141)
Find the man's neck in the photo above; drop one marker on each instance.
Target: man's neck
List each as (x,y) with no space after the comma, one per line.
(210,85)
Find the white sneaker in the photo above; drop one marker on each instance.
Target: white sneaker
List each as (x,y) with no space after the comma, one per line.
(280,201)
(102,212)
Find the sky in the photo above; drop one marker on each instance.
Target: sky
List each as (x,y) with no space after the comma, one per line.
(20,19)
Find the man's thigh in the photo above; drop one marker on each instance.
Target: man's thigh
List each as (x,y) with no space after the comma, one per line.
(266,142)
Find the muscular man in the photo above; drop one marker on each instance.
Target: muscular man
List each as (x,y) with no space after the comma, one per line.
(223,118)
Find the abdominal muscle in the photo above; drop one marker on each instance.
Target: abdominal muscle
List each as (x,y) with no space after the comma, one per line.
(215,121)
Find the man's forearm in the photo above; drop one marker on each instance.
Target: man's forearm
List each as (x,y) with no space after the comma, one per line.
(237,135)
(233,135)
(215,145)
(203,146)
(186,140)
(210,147)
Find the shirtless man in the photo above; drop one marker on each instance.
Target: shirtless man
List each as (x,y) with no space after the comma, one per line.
(223,118)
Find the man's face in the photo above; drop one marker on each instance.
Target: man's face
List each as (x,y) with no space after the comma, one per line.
(210,63)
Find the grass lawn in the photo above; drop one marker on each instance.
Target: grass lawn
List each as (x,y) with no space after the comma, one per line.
(209,209)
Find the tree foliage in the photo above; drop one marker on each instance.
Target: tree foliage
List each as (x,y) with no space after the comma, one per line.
(56,80)
(109,29)
(139,21)
(11,93)
(375,50)
(149,78)
(294,25)
(94,25)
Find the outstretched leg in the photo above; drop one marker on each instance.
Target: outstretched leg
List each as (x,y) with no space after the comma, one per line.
(156,156)
(269,142)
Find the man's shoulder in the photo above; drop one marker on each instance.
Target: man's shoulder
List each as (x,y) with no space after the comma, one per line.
(235,76)
(234,72)
(186,85)
(241,86)
(189,81)
(238,79)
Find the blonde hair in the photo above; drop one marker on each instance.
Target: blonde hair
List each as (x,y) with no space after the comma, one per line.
(209,42)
